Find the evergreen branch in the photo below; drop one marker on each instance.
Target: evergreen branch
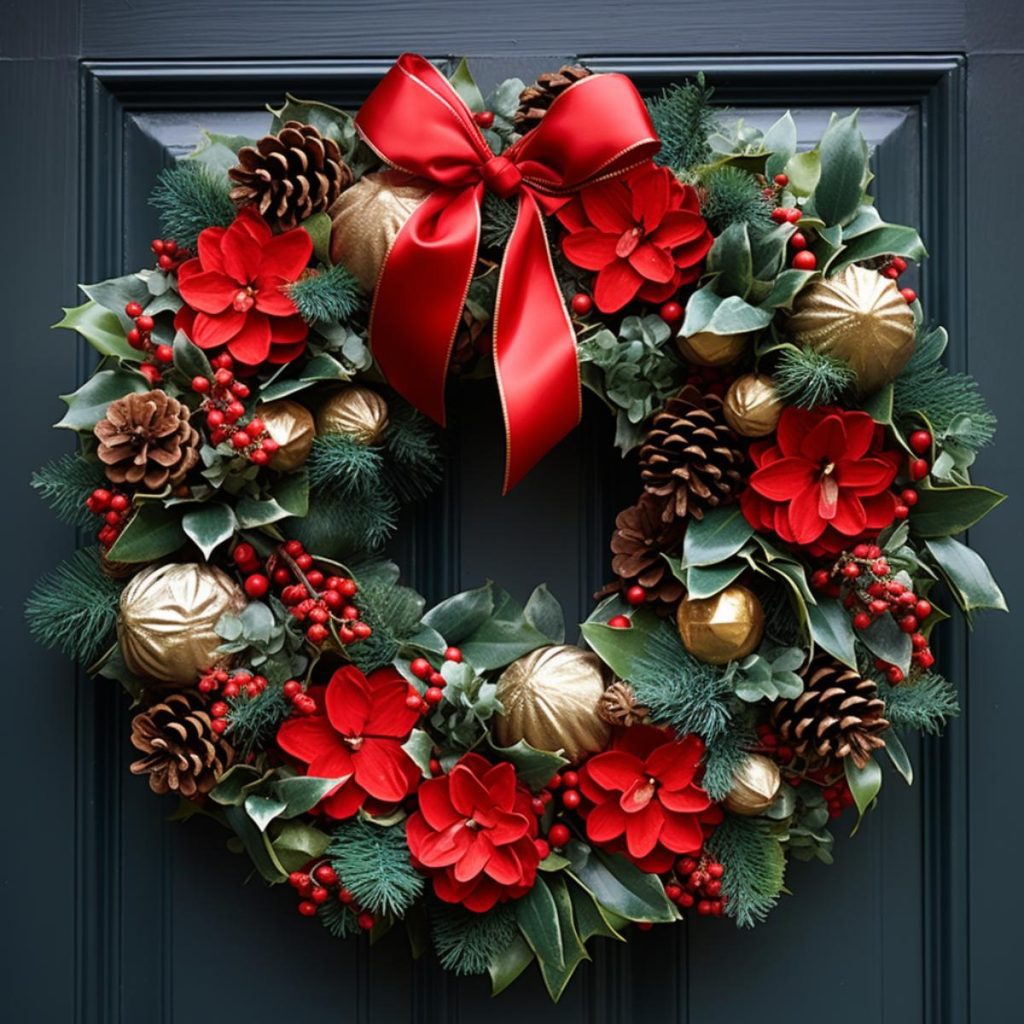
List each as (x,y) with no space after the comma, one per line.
(338,526)
(732,196)
(191,198)
(65,483)
(754,866)
(328,294)
(393,612)
(343,465)
(414,464)
(498,220)
(74,608)
(338,919)
(374,865)
(925,704)
(807,378)
(467,943)
(254,721)
(941,397)
(726,753)
(683,120)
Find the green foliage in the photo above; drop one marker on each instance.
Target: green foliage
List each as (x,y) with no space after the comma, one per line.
(344,465)
(807,834)
(683,119)
(393,612)
(733,196)
(726,752)
(768,675)
(499,218)
(807,378)
(944,398)
(754,867)
(190,197)
(74,607)
(337,526)
(467,943)
(926,703)
(373,863)
(253,721)
(413,465)
(326,294)
(65,483)
(338,919)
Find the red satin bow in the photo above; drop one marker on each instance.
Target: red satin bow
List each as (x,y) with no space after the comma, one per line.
(416,122)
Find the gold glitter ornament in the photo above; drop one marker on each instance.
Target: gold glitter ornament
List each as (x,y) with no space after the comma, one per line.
(707,349)
(356,411)
(165,628)
(722,628)
(550,697)
(752,407)
(291,426)
(755,785)
(860,317)
(366,219)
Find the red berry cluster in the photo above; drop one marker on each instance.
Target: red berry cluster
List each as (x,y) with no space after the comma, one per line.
(837,796)
(770,746)
(140,337)
(315,886)
(920,442)
(114,507)
(697,882)
(169,255)
(223,407)
(301,701)
(710,380)
(241,682)
(891,267)
(231,684)
(425,672)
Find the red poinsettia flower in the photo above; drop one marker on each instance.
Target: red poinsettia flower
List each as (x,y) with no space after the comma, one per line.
(474,831)
(234,291)
(647,797)
(823,481)
(642,233)
(357,735)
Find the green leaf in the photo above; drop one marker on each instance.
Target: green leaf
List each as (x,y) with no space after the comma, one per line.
(302,793)
(708,312)
(884,639)
(780,142)
(844,165)
(116,292)
(464,84)
(190,360)
(209,526)
(706,581)
(803,170)
(879,405)
(864,784)
(534,767)
(619,885)
(262,809)
(729,258)
(297,843)
(256,844)
(573,950)
(88,405)
(152,532)
(943,511)
(716,537)
(327,120)
(420,747)
(899,756)
(100,327)
(321,367)
(591,918)
(456,617)
(968,576)
(504,636)
(620,649)
(233,786)
(545,614)
(290,497)
(509,964)
(867,219)
(537,917)
(785,289)
(887,238)
(318,227)
(831,630)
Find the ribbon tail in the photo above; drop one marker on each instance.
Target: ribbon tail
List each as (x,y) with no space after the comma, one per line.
(534,348)
(420,294)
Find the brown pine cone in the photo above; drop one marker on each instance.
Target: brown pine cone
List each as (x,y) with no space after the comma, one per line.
(838,715)
(291,175)
(182,752)
(147,441)
(640,539)
(618,706)
(691,457)
(535,99)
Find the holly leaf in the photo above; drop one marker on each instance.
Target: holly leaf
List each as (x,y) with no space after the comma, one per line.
(456,617)
(538,920)
(706,581)
(464,84)
(503,636)
(88,405)
(509,963)
(297,843)
(189,359)
(886,239)
(534,767)
(208,526)
(545,614)
(152,532)
(618,885)
(420,748)
(573,952)
(885,640)
(864,784)
(844,166)
(620,649)
(100,327)
(729,258)
(780,142)
(969,578)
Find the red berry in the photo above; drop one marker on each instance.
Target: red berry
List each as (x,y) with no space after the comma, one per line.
(150,372)
(919,469)
(326,875)
(144,323)
(317,633)
(412,701)
(901,511)
(923,609)
(798,240)
(920,441)
(164,354)
(925,659)
(453,654)
(558,835)
(219,725)
(819,579)
(909,295)
(636,595)
(878,607)
(484,118)
(582,303)
(880,567)
(782,180)
(620,622)
(671,312)
(366,921)
(909,497)
(200,385)
(256,585)
(899,263)
(780,215)
(436,679)
(571,799)
(348,588)
(890,272)
(861,620)
(307,908)
(793,215)
(294,548)
(292,689)
(555,782)
(218,709)
(133,309)
(851,570)
(894,674)
(434,695)
(420,668)
(805,260)
(909,623)
(542,847)
(240,440)
(319,894)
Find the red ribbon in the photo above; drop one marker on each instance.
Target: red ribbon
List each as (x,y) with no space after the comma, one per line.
(416,122)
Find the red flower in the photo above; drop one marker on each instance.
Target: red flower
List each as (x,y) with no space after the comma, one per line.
(823,481)
(233,291)
(646,796)
(474,831)
(359,737)
(643,234)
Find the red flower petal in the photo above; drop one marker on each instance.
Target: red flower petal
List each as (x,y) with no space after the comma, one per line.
(850,518)
(242,252)
(643,830)
(467,791)
(606,822)
(614,770)
(504,866)
(208,291)
(210,331)
(691,253)
(607,206)
(388,714)
(474,858)
(500,783)
(641,740)
(270,296)
(682,833)
(616,284)
(286,255)
(572,217)
(348,701)
(382,769)
(650,187)
(345,802)
(306,737)
(865,476)
(805,519)
(794,425)
(784,478)
(652,263)
(435,805)
(252,343)
(208,246)
(505,826)
(675,764)
(860,434)
(441,849)
(880,510)
(679,227)
(690,800)
(333,762)
(590,249)
(826,442)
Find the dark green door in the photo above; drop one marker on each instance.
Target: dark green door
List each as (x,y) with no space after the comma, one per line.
(114,915)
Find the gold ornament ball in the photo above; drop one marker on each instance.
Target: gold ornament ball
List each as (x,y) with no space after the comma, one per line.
(550,699)
(356,411)
(291,426)
(722,628)
(167,616)
(755,785)
(752,407)
(860,317)
(366,219)
(707,349)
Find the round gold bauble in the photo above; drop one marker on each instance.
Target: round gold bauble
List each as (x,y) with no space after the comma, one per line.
(707,349)
(860,317)
(722,628)
(356,411)
(752,407)
(550,699)
(755,785)
(366,219)
(291,426)
(168,612)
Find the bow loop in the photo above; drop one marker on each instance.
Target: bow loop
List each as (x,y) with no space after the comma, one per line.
(501,176)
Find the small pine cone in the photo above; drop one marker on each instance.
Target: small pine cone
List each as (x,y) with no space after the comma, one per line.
(618,706)
(472,341)
(147,441)
(535,99)
(182,752)
(291,175)
(838,715)
(691,457)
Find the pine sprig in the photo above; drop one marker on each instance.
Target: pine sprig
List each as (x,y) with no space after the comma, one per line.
(498,218)
(340,920)
(732,196)
(65,483)
(414,463)
(754,864)
(683,119)
(373,863)
(807,378)
(338,526)
(190,197)
(393,612)
(343,465)
(941,397)
(74,608)
(467,943)
(926,704)
(327,294)
(253,721)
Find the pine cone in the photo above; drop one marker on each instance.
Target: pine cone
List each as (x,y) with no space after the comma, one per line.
(691,456)
(535,99)
(146,440)
(838,715)
(641,537)
(618,706)
(291,175)
(183,753)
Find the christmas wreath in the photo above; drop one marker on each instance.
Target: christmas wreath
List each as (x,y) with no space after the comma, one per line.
(260,412)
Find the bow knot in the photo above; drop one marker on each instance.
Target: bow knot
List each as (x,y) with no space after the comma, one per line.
(501,176)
